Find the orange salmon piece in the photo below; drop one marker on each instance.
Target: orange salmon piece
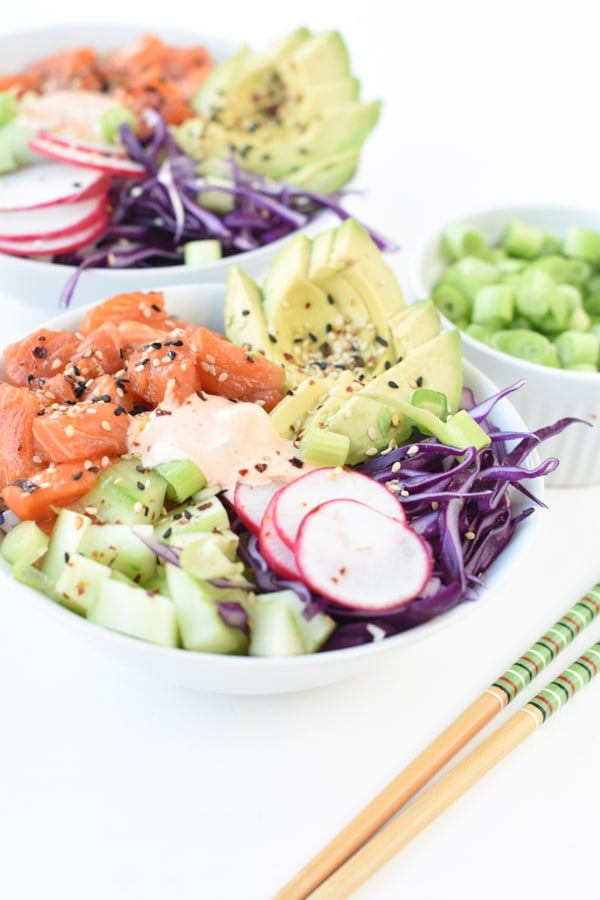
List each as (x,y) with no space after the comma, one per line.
(99,352)
(138,306)
(37,496)
(41,354)
(157,369)
(19,409)
(114,389)
(230,371)
(83,431)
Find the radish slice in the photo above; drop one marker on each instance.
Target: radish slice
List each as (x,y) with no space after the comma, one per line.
(87,146)
(251,500)
(277,554)
(50,221)
(312,489)
(55,245)
(90,159)
(360,558)
(47,184)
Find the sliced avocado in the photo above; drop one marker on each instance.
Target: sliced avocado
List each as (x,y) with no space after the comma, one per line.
(322,95)
(278,149)
(291,112)
(370,325)
(248,82)
(413,326)
(355,255)
(289,414)
(321,58)
(296,311)
(243,312)
(212,94)
(328,175)
(370,424)
(340,391)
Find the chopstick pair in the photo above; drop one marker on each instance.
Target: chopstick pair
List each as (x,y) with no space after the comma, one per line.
(357,852)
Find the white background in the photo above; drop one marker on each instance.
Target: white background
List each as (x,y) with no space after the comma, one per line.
(112,786)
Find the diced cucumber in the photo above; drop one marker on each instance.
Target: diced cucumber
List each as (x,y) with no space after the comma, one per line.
(204,515)
(126,493)
(77,587)
(120,547)
(273,629)
(183,478)
(22,547)
(158,582)
(67,532)
(210,555)
(136,612)
(315,630)
(200,625)
(24,544)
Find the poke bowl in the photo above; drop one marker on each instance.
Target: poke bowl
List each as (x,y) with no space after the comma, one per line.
(104,188)
(277,628)
(546,331)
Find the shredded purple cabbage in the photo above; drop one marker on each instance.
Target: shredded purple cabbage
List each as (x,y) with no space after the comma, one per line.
(458,500)
(154,217)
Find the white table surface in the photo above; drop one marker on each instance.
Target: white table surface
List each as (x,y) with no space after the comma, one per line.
(115,787)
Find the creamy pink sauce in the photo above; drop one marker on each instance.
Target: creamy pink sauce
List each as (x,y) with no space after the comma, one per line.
(229,442)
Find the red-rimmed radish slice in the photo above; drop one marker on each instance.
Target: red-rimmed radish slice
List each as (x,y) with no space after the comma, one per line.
(51,221)
(70,153)
(360,558)
(298,497)
(65,243)
(47,184)
(279,556)
(87,146)
(251,500)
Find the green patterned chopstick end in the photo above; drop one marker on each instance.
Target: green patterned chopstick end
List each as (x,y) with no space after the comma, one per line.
(546,649)
(568,683)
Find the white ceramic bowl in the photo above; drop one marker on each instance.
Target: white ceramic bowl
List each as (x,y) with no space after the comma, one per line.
(549,394)
(248,675)
(42,282)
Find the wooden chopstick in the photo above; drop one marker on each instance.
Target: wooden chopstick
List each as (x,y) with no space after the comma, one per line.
(431,760)
(464,775)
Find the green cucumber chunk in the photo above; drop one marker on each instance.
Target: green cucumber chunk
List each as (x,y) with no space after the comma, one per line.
(136,612)
(183,478)
(200,624)
(126,492)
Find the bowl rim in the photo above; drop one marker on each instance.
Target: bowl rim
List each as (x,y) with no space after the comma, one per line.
(427,249)
(178,298)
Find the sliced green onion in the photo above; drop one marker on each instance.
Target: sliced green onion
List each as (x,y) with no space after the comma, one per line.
(522,240)
(451,303)
(463,240)
(552,244)
(582,243)
(198,252)
(480,332)
(575,348)
(324,448)
(434,401)
(112,119)
(493,305)
(463,431)
(528,345)
(183,478)
(579,320)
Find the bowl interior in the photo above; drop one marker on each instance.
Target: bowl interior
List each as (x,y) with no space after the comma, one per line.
(247,675)
(40,282)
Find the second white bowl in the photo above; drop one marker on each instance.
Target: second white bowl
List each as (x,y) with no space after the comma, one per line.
(549,394)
